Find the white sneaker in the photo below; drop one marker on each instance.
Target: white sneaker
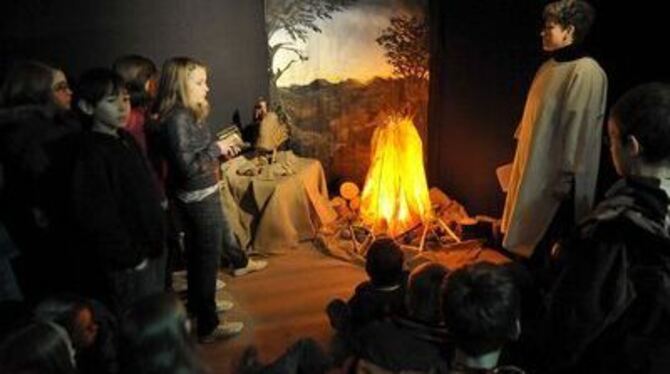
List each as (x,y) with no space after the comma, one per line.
(224,305)
(252,265)
(222,331)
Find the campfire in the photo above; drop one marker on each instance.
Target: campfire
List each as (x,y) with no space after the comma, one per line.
(395,195)
(395,200)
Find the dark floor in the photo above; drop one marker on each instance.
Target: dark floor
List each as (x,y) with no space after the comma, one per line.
(281,304)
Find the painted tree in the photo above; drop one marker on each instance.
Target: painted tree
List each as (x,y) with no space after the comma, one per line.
(406,45)
(298,18)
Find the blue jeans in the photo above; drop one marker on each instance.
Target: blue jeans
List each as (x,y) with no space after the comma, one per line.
(206,233)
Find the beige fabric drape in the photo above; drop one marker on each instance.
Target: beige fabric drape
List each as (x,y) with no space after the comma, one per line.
(272,214)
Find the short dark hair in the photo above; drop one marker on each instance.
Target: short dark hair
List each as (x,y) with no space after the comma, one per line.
(481,307)
(576,13)
(26,83)
(384,262)
(97,83)
(136,71)
(644,112)
(424,292)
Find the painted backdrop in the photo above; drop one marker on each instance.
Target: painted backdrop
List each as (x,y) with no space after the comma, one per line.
(338,68)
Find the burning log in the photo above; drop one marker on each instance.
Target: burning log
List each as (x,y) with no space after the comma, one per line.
(349,191)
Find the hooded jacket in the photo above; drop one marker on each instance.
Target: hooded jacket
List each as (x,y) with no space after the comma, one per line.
(611,303)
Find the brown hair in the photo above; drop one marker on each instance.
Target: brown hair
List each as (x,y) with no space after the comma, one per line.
(136,71)
(28,82)
(172,90)
(576,13)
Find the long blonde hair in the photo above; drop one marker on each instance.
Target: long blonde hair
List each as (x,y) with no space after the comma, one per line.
(172,89)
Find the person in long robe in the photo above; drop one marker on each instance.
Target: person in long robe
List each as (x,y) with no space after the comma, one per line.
(559,137)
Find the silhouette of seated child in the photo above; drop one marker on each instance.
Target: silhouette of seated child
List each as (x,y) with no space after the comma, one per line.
(416,342)
(481,309)
(380,297)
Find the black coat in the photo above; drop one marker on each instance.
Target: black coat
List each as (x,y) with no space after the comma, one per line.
(117,206)
(402,344)
(37,146)
(610,307)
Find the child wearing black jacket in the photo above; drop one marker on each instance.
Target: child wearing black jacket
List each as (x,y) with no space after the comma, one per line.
(117,209)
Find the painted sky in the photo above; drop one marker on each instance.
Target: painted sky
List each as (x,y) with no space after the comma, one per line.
(346,47)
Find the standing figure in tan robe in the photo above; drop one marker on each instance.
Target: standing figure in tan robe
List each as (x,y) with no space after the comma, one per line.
(560,133)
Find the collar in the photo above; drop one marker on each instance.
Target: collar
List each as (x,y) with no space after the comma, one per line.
(388,288)
(569,53)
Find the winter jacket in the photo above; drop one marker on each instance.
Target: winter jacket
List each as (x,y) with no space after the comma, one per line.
(610,307)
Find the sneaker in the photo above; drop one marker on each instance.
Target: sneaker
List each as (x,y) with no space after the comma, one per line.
(222,331)
(224,305)
(252,265)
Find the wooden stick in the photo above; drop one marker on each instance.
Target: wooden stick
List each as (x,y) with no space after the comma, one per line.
(366,243)
(423,237)
(449,231)
(397,237)
(353,238)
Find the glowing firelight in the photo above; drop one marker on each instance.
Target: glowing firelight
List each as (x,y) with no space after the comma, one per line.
(395,197)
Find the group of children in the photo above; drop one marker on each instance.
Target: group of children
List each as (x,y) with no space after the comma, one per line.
(100,183)
(430,320)
(95,191)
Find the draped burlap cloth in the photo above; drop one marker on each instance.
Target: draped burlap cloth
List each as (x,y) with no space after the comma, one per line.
(278,207)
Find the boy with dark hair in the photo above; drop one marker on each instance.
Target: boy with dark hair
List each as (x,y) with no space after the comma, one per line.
(117,211)
(481,307)
(610,308)
(384,261)
(417,341)
(382,296)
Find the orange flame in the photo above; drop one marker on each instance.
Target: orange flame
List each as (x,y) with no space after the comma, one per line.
(395,197)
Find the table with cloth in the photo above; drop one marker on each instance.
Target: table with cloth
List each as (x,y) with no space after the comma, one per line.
(275,202)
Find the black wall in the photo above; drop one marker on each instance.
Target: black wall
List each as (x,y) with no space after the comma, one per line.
(484,56)
(228,35)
